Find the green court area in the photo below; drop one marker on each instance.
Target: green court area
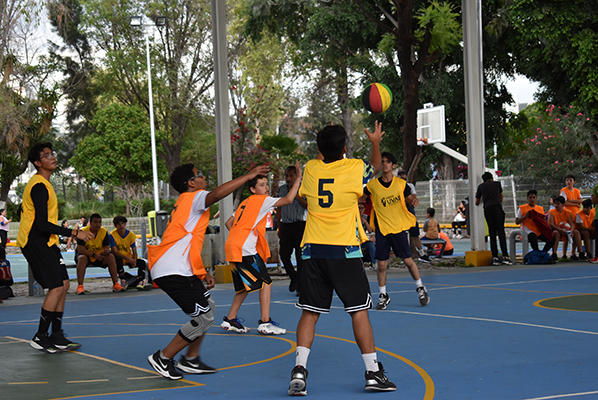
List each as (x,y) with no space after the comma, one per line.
(34,375)
(586,302)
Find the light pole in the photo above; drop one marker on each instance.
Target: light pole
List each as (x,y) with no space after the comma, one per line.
(160,21)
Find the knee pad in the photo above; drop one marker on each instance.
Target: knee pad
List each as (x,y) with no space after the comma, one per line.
(199,324)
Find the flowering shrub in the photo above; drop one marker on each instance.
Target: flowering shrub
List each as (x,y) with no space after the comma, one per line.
(561,143)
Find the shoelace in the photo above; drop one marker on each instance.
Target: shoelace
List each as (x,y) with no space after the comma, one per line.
(237,320)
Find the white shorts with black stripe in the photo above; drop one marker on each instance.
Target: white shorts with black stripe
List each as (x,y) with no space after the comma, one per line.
(321,276)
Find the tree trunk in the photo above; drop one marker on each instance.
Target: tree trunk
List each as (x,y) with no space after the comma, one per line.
(342,89)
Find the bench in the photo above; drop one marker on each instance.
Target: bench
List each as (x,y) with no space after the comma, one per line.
(430,250)
(513,239)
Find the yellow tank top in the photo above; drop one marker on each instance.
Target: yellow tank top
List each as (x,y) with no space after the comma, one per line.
(95,245)
(28,213)
(124,244)
(332,191)
(389,206)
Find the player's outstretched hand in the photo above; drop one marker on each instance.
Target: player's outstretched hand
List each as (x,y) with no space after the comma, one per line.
(376,136)
(298,173)
(259,170)
(85,235)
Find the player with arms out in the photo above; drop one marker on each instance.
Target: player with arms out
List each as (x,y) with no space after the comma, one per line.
(177,268)
(331,251)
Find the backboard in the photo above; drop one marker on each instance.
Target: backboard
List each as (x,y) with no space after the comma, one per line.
(430,125)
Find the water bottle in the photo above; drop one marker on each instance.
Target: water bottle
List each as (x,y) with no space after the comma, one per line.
(38,290)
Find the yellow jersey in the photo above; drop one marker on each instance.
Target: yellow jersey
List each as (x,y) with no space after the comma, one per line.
(392,215)
(28,211)
(125,244)
(331,191)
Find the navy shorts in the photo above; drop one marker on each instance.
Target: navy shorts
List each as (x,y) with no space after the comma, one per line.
(250,274)
(414,230)
(398,241)
(320,277)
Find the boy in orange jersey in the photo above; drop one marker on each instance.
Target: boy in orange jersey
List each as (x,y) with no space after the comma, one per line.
(525,217)
(176,267)
(247,250)
(557,219)
(584,221)
(573,201)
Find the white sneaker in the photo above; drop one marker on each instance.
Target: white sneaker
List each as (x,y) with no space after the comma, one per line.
(270,328)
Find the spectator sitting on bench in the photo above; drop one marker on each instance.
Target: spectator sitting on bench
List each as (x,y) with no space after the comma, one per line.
(430,226)
(525,218)
(96,252)
(560,219)
(122,244)
(584,220)
(448,247)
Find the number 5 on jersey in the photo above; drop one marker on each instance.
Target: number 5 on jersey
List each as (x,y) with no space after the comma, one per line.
(326,196)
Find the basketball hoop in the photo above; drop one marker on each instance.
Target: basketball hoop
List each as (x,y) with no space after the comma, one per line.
(422,141)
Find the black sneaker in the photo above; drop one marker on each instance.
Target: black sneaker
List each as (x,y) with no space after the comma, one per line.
(59,340)
(565,258)
(425,258)
(298,386)
(422,293)
(574,257)
(194,366)
(555,258)
(507,261)
(383,301)
(164,367)
(495,261)
(378,381)
(42,342)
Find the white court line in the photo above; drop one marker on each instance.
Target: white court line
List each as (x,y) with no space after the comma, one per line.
(560,396)
(111,314)
(474,319)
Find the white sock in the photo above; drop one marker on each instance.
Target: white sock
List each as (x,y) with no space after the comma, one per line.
(382,289)
(371,362)
(301,355)
(419,283)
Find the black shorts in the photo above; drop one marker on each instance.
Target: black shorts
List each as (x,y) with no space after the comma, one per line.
(250,274)
(187,291)
(398,241)
(47,265)
(321,276)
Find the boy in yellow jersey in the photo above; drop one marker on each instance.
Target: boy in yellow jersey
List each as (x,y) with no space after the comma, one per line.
(584,220)
(393,220)
(331,251)
(176,267)
(122,245)
(96,252)
(247,251)
(38,240)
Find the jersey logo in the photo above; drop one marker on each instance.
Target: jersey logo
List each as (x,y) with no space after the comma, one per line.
(390,200)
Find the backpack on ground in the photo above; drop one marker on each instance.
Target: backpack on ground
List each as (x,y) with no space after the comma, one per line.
(537,257)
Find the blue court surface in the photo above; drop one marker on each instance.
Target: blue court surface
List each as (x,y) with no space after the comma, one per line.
(488,333)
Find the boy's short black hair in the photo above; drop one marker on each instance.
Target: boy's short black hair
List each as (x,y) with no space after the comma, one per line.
(180,176)
(560,199)
(587,203)
(252,182)
(391,157)
(2,253)
(571,176)
(431,211)
(119,219)
(94,216)
(1,210)
(532,191)
(486,176)
(36,151)
(331,142)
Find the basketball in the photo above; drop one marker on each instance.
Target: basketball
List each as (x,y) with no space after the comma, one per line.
(376,98)
(565,225)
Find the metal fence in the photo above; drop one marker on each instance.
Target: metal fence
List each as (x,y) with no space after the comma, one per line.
(445,196)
